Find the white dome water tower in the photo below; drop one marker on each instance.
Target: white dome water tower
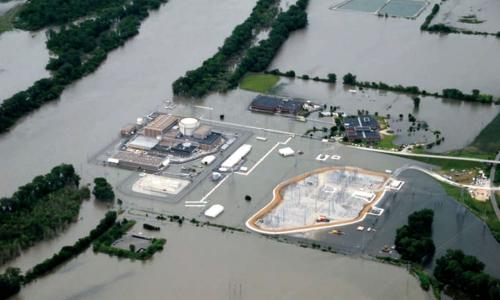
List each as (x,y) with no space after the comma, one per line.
(188,125)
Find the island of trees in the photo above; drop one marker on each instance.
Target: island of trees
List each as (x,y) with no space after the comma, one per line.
(215,73)
(79,48)
(103,190)
(39,209)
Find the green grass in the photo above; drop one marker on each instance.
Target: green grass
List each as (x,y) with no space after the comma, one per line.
(482,210)
(448,164)
(260,83)
(6,21)
(387,142)
(488,140)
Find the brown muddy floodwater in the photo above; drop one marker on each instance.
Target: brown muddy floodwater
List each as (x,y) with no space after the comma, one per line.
(23,57)
(197,262)
(391,50)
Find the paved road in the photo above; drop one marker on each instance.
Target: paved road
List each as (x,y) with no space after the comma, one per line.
(493,199)
(496,161)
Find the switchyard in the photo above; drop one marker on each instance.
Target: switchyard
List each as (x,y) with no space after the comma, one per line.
(325,197)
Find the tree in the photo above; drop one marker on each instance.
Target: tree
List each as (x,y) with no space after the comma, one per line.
(349,79)
(103,190)
(290,74)
(414,241)
(10,282)
(416,102)
(332,78)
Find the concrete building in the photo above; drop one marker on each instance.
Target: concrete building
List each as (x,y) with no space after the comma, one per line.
(202,132)
(142,142)
(138,161)
(187,126)
(160,125)
(128,130)
(273,104)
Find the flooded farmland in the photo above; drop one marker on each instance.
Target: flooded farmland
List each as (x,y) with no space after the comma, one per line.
(391,50)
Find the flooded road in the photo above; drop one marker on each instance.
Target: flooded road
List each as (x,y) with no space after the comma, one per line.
(391,50)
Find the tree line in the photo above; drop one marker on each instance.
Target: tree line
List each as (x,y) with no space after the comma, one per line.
(212,75)
(450,93)
(39,209)
(80,49)
(12,280)
(37,14)
(259,57)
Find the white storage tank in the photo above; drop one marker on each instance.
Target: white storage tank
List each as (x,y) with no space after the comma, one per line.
(188,125)
(140,121)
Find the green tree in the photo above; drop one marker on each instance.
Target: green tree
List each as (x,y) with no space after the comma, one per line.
(103,190)
(10,282)
(332,78)
(349,79)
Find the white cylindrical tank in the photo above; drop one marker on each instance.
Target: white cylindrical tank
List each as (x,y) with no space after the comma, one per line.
(188,125)
(140,121)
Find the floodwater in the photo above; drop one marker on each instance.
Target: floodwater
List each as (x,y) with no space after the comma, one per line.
(448,116)
(391,50)
(219,265)
(485,11)
(197,262)
(23,57)
(6,6)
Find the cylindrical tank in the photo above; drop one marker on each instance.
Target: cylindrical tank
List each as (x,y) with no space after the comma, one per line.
(188,125)
(140,121)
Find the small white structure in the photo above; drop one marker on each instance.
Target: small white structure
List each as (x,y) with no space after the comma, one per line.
(166,162)
(208,159)
(112,160)
(286,152)
(188,125)
(353,91)
(326,113)
(261,138)
(214,211)
(243,169)
(236,157)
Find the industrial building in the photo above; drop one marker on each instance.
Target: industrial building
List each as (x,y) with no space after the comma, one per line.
(139,161)
(362,129)
(274,104)
(147,146)
(160,125)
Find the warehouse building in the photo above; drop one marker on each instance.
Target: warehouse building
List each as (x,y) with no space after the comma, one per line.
(273,104)
(139,161)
